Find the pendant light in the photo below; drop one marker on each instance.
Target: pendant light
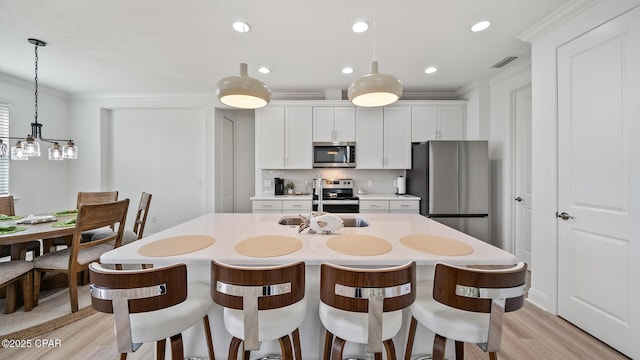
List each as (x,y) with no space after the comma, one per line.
(374,89)
(242,91)
(29,146)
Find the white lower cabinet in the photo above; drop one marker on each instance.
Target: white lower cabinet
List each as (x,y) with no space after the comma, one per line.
(267,206)
(374,206)
(296,206)
(282,206)
(389,206)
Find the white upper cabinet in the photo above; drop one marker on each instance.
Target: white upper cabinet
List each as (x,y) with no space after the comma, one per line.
(285,137)
(437,122)
(397,137)
(369,134)
(334,124)
(383,138)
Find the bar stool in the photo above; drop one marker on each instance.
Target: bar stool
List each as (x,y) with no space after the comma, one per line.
(364,306)
(261,304)
(467,305)
(151,305)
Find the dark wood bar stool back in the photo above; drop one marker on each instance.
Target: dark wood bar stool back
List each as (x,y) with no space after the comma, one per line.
(378,295)
(456,291)
(245,291)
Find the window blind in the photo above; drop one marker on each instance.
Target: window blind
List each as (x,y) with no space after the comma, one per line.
(4,134)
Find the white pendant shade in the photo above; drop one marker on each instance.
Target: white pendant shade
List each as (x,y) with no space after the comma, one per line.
(243,91)
(374,89)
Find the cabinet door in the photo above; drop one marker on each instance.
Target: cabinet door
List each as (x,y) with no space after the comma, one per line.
(323,124)
(451,122)
(344,123)
(424,123)
(369,135)
(270,121)
(397,137)
(298,138)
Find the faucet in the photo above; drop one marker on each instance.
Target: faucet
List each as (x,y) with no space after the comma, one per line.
(319,192)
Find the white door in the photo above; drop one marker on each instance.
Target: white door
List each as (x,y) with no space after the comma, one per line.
(599,182)
(522,176)
(228,168)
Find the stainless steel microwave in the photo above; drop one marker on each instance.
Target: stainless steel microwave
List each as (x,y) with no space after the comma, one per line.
(331,155)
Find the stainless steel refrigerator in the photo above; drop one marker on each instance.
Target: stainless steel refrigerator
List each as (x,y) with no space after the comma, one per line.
(452,180)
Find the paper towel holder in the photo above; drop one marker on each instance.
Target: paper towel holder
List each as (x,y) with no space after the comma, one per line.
(401,185)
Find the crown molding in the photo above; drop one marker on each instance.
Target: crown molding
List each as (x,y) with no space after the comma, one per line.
(555,19)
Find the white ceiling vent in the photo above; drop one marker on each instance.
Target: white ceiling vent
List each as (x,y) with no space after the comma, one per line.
(504,62)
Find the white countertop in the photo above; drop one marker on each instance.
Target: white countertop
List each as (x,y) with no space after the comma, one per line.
(229,229)
(361,196)
(387,197)
(281,197)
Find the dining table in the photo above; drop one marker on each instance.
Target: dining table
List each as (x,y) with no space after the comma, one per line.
(45,231)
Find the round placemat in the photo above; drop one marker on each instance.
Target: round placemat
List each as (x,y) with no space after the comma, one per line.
(436,245)
(359,245)
(268,246)
(177,245)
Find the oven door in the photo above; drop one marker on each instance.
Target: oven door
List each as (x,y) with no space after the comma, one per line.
(333,155)
(338,206)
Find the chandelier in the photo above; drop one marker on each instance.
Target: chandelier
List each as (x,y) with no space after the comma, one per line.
(28,146)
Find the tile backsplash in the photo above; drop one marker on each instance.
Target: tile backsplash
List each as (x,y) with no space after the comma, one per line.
(370,181)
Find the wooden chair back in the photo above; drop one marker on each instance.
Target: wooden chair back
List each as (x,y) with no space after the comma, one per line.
(95,216)
(96,197)
(133,291)
(251,289)
(141,214)
(371,291)
(482,290)
(7,206)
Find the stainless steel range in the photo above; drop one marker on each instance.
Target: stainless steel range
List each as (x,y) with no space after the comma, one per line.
(337,197)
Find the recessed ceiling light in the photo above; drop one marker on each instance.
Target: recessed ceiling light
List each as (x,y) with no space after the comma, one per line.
(430,70)
(360,27)
(347,70)
(481,25)
(264,70)
(241,26)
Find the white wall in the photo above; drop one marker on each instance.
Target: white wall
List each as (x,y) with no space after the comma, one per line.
(39,185)
(501,150)
(159,166)
(545,43)
(163,144)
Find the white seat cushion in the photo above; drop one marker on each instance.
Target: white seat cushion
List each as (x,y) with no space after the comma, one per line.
(10,270)
(354,326)
(272,324)
(60,259)
(449,322)
(161,324)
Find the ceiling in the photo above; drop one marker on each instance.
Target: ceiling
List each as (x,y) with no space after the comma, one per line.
(150,46)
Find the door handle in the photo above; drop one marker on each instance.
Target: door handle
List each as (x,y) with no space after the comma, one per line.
(564,216)
(518,199)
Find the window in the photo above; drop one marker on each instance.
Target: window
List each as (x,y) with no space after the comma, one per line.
(4,134)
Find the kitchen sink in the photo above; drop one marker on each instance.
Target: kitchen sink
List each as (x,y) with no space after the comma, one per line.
(346,221)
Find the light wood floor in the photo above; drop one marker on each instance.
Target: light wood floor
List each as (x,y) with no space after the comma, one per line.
(529,333)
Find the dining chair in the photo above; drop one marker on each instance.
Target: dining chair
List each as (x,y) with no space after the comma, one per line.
(151,305)
(85,197)
(10,273)
(261,304)
(467,305)
(7,207)
(364,306)
(137,233)
(79,255)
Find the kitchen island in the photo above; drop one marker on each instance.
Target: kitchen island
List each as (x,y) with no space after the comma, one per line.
(228,230)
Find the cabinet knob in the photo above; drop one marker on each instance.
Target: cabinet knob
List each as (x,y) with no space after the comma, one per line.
(518,199)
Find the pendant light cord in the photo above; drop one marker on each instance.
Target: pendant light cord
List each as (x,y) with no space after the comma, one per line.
(36,87)
(375,28)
